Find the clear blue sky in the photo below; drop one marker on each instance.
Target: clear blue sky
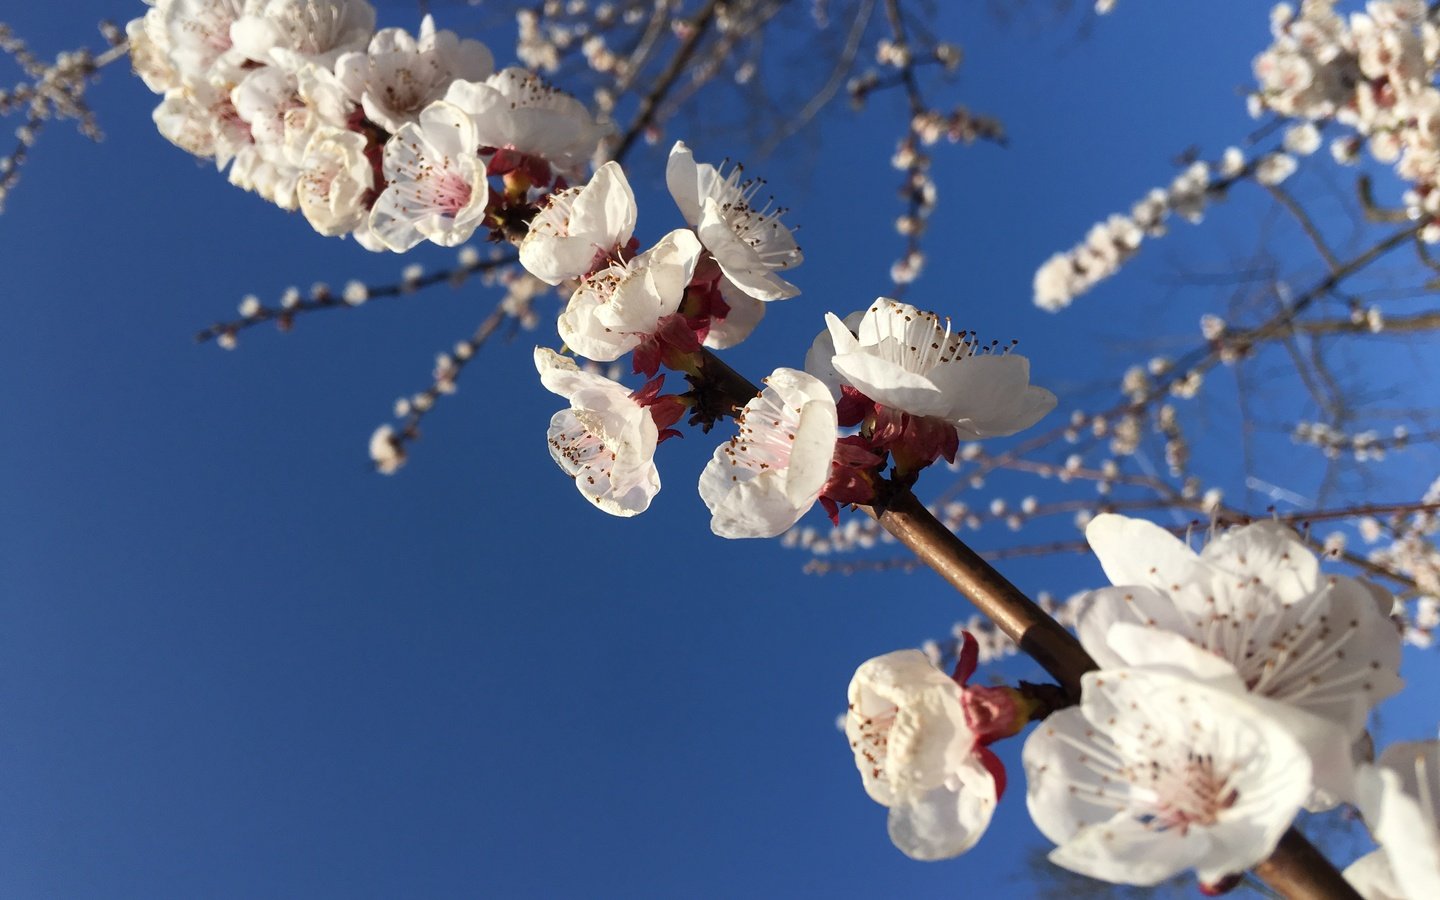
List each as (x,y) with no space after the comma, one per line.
(236,663)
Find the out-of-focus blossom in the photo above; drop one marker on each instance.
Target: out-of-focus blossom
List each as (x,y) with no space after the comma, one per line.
(919,755)
(397,75)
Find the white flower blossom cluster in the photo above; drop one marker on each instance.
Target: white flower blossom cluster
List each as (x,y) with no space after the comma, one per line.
(1363,446)
(1374,74)
(1109,244)
(1233,692)
(918,388)
(700,286)
(383,135)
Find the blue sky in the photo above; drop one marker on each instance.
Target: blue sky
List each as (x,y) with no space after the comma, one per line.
(234,662)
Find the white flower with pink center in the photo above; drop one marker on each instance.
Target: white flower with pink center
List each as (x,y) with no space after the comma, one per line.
(397,76)
(437,189)
(514,110)
(616,308)
(579,227)
(918,755)
(1399,798)
(769,475)
(605,441)
(1156,773)
(1254,597)
(747,240)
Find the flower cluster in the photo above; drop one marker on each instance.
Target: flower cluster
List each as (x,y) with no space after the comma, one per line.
(1233,684)
(1372,73)
(913,388)
(383,135)
(1110,244)
(1234,690)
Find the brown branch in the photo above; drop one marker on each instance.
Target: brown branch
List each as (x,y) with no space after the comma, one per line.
(1427,321)
(284,316)
(1295,869)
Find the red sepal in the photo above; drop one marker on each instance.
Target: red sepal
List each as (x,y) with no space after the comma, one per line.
(968,658)
(995,767)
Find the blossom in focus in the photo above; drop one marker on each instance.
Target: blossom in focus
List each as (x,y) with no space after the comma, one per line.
(606,440)
(749,244)
(1255,597)
(579,228)
(1155,773)
(397,75)
(437,186)
(919,755)
(930,387)
(626,303)
(523,119)
(765,478)
(1399,798)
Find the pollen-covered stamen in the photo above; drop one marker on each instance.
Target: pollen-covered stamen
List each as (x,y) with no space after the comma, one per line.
(871,736)
(553,219)
(757,226)
(917,341)
(580,451)
(1189,792)
(766,438)
(1181,779)
(429,184)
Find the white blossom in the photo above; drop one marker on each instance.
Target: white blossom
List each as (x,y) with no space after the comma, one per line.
(291,33)
(750,244)
(515,110)
(198,36)
(386,450)
(917,755)
(335,180)
(766,477)
(908,360)
(397,75)
(579,226)
(1254,597)
(605,440)
(437,186)
(614,309)
(1156,773)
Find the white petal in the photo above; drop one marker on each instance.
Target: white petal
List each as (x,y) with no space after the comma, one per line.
(681,179)
(945,821)
(1134,551)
